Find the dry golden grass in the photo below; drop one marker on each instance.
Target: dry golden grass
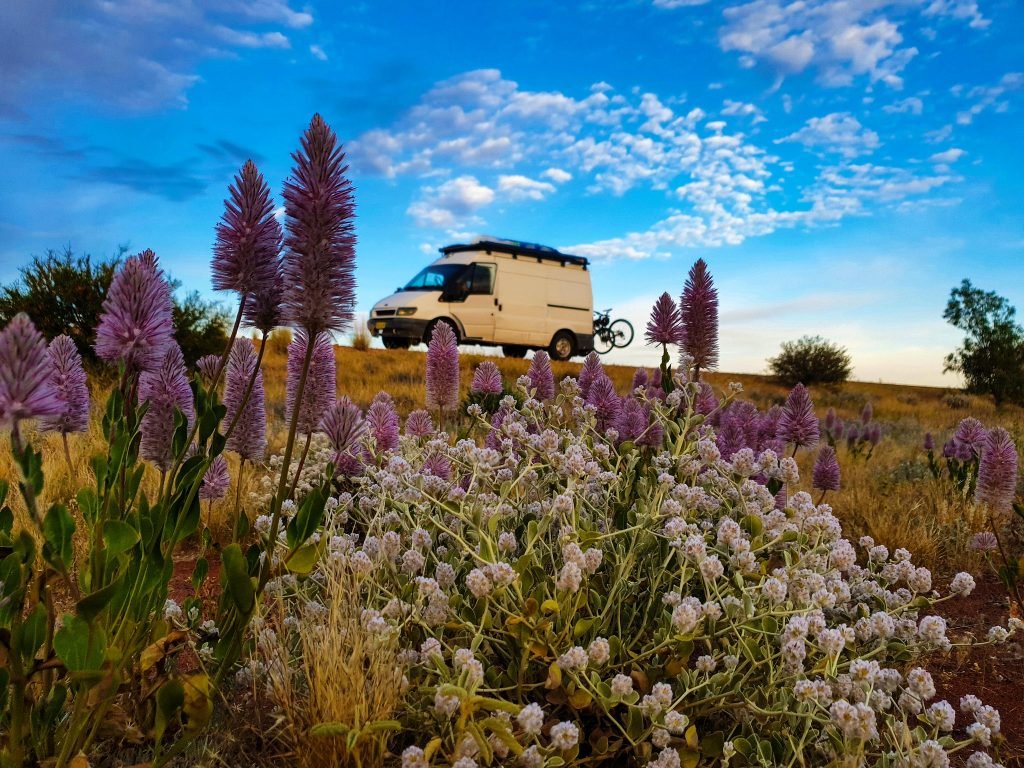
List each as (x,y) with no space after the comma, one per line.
(336,702)
(892,497)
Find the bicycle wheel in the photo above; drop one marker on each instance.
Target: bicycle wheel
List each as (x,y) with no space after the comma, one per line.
(603,341)
(622,333)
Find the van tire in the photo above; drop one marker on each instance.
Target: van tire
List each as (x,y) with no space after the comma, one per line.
(563,346)
(430,330)
(513,350)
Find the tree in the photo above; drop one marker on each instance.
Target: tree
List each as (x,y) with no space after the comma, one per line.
(63,293)
(811,360)
(991,358)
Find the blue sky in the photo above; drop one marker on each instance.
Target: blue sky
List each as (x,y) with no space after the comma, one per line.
(840,164)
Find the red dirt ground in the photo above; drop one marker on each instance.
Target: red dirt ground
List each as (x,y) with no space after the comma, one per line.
(995,674)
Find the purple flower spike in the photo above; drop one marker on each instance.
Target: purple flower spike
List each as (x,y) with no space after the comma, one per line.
(542,380)
(631,421)
(419,424)
(606,401)
(971,433)
(985,541)
(443,370)
(344,426)
(319,258)
(487,379)
(874,433)
(640,379)
(707,402)
(438,465)
(216,480)
(207,366)
(249,437)
(70,384)
(997,471)
(590,371)
(136,326)
(698,309)
(382,420)
(166,390)
(867,414)
(654,435)
(665,325)
(26,389)
(830,420)
(825,475)
(321,381)
(248,243)
(798,424)
(929,442)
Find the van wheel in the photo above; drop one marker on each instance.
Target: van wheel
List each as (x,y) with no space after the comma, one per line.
(513,350)
(563,346)
(430,330)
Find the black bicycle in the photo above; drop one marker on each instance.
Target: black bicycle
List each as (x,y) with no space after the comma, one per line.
(609,334)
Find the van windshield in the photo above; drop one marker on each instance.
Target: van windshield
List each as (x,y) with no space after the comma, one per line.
(436,277)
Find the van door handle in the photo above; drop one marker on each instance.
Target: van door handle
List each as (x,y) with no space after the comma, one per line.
(495,301)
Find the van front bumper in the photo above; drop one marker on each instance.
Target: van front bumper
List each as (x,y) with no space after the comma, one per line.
(398,327)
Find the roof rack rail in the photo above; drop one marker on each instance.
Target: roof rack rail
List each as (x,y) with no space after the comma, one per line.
(516,248)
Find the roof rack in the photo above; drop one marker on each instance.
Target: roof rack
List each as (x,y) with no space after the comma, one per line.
(516,248)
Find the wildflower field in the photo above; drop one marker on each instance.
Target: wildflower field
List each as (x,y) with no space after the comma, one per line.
(304,554)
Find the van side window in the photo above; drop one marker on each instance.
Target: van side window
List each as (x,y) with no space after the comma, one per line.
(483,279)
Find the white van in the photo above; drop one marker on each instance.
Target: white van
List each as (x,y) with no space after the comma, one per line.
(493,292)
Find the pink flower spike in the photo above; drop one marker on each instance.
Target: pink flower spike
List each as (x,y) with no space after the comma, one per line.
(71,385)
(443,370)
(26,388)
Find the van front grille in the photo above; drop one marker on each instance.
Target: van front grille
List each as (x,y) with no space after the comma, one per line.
(384,313)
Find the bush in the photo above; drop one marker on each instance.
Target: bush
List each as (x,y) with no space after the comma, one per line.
(361,338)
(811,360)
(63,293)
(570,598)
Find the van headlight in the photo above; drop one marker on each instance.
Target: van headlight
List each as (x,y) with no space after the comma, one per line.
(406,311)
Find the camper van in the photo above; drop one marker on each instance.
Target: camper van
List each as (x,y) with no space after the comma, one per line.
(519,296)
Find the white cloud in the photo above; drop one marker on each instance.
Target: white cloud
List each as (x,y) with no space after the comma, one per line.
(741,109)
(518,187)
(939,135)
(454,202)
(840,39)
(557,175)
(243,39)
(986,97)
(318,52)
(949,156)
(838,132)
(958,9)
(679,3)
(911,105)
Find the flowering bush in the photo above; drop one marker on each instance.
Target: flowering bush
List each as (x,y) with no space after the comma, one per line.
(591,579)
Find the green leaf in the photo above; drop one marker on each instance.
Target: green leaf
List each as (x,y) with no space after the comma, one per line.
(241,525)
(235,576)
(308,517)
(329,729)
(118,537)
(79,645)
(303,560)
(6,521)
(712,744)
(170,698)
(199,572)
(88,504)
(90,606)
(59,530)
(29,636)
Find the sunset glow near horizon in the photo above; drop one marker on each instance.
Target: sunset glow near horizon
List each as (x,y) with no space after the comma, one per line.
(839,165)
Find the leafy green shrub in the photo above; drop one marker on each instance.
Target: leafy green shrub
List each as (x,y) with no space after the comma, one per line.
(63,294)
(811,360)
